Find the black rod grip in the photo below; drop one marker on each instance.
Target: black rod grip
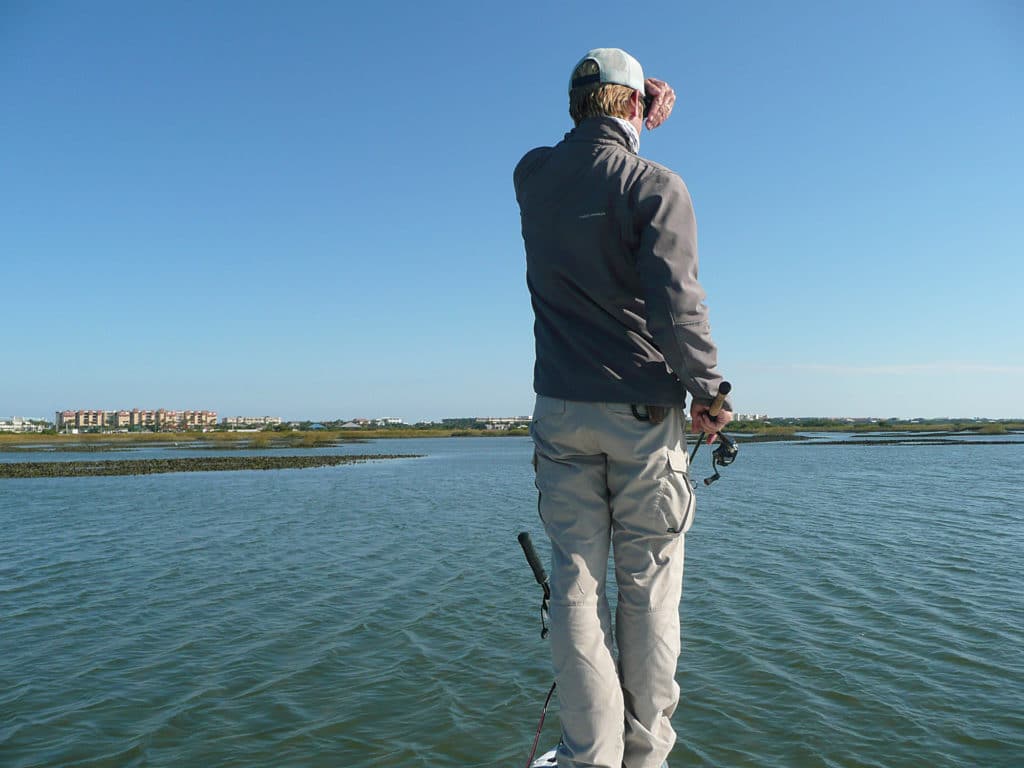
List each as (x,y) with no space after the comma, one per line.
(532,559)
(723,389)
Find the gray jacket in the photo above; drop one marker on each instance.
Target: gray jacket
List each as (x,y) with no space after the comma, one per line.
(611,263)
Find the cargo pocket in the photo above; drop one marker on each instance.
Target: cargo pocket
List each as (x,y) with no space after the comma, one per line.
(676,500)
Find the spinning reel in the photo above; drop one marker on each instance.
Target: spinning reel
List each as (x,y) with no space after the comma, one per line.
(725,453)
(722,456)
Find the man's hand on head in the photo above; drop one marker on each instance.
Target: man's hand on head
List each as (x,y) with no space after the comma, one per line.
(661,107)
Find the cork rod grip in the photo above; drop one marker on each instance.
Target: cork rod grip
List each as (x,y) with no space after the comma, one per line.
(723,390)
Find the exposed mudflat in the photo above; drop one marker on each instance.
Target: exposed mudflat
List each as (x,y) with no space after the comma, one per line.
(915,441)
(200,464)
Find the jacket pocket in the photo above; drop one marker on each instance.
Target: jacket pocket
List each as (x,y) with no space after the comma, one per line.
(677,503)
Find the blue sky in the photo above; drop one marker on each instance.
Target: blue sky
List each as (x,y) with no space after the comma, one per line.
(306,209)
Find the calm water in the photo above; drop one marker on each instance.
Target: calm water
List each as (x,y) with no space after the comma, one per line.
(843,606)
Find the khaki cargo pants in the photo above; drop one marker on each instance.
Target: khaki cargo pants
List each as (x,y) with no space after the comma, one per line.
(608,480)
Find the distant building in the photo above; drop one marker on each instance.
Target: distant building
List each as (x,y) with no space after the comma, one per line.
(199,419)
(21,424)
(81,419)
(251,421)
(161,420)
(384,421)
(503,422)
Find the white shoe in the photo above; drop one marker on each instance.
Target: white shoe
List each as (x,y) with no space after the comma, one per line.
(550,760)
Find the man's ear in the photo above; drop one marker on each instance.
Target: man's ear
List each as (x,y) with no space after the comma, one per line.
(637,102)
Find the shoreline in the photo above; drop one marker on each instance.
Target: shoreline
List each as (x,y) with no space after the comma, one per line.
(40,443)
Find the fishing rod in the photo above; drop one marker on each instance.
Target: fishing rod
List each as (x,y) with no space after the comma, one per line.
(539,574)
(725,453)
(542,578)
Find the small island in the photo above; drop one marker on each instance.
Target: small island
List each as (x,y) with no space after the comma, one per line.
(161,466)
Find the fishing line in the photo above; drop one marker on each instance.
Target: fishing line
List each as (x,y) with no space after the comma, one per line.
(540,726)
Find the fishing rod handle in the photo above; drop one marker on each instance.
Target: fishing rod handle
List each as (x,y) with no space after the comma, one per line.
(532,559)
(716,406)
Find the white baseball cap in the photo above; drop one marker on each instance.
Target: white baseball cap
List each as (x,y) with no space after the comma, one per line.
(614,65)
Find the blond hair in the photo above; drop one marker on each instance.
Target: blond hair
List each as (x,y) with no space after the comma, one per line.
(599,99)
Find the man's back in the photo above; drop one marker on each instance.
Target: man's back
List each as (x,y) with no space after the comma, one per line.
(605,231)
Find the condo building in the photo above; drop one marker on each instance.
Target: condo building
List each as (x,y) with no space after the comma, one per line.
(250,421)
(161,420)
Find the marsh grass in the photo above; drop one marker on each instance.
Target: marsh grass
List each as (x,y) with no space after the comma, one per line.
(994,429)
(793,426)
(228,440)
(331,437)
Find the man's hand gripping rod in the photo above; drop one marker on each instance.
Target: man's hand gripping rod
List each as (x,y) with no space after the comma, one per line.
(727,449)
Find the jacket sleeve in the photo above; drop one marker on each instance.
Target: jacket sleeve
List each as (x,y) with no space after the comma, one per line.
(677,317)
(526,166)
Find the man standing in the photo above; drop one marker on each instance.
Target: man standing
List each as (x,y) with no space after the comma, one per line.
(621,335)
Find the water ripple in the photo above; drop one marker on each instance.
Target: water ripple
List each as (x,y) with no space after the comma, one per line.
(848,606)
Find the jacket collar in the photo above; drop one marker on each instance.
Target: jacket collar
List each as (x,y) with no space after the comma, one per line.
(600,129)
